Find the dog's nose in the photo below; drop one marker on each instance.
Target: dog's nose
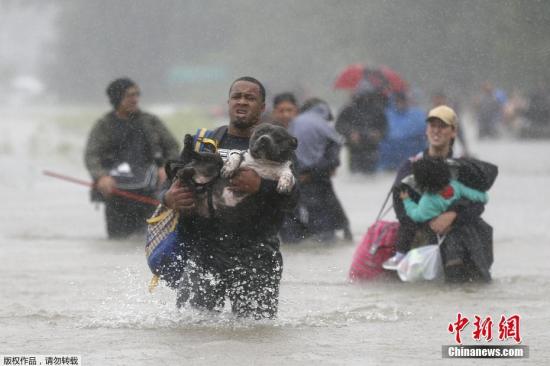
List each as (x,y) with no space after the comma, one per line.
(263,140)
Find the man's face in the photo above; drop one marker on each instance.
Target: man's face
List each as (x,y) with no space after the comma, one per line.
(439,133)
(284,112)
(245,104)
(129,102)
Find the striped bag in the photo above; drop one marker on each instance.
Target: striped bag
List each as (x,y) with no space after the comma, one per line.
(164,247)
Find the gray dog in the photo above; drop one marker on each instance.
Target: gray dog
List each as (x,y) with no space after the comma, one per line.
(269,154)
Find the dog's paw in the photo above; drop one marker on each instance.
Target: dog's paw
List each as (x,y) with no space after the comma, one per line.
(227,171)
(231,166)
(286,183)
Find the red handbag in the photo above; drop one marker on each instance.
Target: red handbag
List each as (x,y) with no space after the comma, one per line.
(377,246)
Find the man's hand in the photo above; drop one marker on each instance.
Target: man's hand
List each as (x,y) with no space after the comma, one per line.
(404,195)
(179,198)
(105,185)
(442,223)
(245,181)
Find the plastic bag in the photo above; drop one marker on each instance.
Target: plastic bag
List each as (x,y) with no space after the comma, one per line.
(423,263)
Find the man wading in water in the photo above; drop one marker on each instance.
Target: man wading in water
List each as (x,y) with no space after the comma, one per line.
(241,259)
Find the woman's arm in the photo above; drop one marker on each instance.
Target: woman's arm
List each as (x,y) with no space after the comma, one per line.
(461,212)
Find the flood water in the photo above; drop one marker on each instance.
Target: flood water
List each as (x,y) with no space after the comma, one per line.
(65,289)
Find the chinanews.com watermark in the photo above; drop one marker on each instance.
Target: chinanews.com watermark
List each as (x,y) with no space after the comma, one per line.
(507,329)
(44,360)
(474,351)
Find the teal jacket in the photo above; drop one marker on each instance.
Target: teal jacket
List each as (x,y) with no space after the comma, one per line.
(434,204)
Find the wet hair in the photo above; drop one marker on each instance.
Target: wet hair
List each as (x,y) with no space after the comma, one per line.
(431,174)
(250,79)
(117,88)
(312,102)
(284,97)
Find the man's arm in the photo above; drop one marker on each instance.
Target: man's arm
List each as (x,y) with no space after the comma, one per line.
(248,181)
(96,148)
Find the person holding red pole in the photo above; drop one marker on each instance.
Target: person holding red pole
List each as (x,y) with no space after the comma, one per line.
(126,150)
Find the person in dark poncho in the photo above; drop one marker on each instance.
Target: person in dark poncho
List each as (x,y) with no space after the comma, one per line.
(363,124)
(127,149)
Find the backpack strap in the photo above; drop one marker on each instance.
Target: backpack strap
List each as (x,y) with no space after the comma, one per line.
(219,133)
(199,139)
(383,213)
(208,140)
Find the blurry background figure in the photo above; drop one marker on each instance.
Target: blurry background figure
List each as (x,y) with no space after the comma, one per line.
(439,97)
(538,112)
(405,135)
(285,108)
(489,106)
(363,124)
(127,149)
(513,119)
(320,213)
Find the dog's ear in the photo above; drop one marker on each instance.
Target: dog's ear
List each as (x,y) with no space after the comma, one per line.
(188,140)
(187,154)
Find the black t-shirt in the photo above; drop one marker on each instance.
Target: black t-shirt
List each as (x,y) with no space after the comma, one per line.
(251,232)
(232,144)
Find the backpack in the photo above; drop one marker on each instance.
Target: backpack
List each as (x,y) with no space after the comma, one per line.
(377,246)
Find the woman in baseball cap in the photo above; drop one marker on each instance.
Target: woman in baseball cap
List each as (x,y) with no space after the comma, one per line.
(467,250)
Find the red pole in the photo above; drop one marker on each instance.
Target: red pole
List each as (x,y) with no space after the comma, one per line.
(116,191)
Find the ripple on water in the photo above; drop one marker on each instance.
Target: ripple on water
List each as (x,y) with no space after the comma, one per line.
(158,314)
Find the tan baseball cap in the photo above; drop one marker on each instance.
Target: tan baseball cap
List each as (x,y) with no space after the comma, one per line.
(445,114)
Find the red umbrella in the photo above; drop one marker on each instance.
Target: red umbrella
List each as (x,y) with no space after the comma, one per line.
(350,77)
(396,82)
(383,78)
